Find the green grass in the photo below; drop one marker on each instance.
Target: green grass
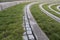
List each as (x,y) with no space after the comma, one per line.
(47,24)
(52,12)
(55,8)
(11,21)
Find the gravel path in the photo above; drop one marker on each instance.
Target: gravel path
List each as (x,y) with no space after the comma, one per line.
(48,13)
(53,9)
(36,32)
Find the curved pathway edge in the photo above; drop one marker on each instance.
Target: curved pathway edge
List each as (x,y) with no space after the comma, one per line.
(58,7)
(53,9)
(37,32)
(48,13)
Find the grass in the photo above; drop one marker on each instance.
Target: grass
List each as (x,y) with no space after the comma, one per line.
(11,21)
(55,8)
(52,12)
(47,24)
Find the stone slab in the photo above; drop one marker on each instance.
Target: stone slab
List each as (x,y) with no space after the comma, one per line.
(29,32)
(27,26)
(31,37)
(25,38)
(28,29)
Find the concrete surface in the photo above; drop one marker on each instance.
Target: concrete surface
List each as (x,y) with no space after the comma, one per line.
(5,5)
(38,33)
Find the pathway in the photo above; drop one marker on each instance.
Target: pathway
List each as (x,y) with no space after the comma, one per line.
(33,31)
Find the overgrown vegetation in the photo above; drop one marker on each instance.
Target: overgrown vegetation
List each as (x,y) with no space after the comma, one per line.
(11,21)
(47,24)
(52,12)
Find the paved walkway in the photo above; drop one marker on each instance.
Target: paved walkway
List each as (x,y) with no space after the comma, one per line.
(48,13)
(53,9)
(36,32)
(4,5)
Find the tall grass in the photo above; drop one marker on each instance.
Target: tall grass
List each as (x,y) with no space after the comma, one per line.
(11,20)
